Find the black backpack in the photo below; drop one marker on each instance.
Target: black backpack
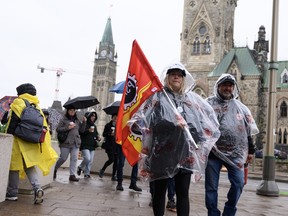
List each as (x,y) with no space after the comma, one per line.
(31,128)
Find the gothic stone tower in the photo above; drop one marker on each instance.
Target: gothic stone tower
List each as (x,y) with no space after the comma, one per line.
(104,75)
(207,35)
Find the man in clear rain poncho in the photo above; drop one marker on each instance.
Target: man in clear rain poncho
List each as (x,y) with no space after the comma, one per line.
(234,147)
(177,129)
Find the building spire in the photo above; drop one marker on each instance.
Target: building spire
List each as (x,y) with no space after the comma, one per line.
(107,38)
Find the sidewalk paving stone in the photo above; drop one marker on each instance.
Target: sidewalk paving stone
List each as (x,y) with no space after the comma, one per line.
(98,197)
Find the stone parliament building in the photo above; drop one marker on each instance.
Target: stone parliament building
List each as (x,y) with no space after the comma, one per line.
(207,51)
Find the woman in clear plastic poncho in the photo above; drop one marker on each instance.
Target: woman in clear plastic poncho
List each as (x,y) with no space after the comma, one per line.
(167,144)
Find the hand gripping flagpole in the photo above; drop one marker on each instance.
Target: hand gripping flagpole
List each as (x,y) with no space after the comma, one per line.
(186,129)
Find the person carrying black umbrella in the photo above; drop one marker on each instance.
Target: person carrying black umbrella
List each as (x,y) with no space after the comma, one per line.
(71,124)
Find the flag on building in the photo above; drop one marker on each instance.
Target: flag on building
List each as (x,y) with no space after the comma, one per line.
(141,83)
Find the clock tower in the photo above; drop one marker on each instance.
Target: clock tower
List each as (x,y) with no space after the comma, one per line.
(207,35)
(104,75)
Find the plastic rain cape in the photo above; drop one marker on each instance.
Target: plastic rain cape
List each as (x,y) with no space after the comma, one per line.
(236,124)
(166,146)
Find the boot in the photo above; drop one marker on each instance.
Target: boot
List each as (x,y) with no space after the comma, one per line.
(101,173)
(79,170)
(134,187)
(73,178)
(119,187)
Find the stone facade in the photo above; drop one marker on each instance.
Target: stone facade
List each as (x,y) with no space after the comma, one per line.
(213,21)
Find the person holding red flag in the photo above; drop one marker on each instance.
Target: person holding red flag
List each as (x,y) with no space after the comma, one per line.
(177,129)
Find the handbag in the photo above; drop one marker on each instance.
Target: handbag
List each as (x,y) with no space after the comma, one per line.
(62,136)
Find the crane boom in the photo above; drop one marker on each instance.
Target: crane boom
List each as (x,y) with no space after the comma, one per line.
(59,73)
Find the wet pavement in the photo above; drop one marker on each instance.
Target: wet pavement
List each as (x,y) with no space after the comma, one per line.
(98,197)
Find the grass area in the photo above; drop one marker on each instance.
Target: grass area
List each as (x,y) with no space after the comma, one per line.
(283,193)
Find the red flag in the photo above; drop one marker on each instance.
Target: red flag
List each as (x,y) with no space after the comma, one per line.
(141,83)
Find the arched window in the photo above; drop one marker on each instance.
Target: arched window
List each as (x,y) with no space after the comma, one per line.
(280,136)
(283,109)
(285,137)
(196,46)
(285,78)
(207,45)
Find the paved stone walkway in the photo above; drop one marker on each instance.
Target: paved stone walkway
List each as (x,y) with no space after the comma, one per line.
(98,197)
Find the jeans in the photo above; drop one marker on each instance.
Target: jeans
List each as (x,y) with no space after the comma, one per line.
(13,181)
(88,156)
(212,174)
(121,161)
(64,153)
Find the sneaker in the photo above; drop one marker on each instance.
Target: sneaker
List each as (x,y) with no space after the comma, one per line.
(11,198)
(114,178)
(79,170)
(73,178)
(171,205)
(135,187)
(87,176)
(101,173)
(38,196)
(119,187)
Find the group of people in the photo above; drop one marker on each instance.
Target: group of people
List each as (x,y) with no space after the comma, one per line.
(183,137)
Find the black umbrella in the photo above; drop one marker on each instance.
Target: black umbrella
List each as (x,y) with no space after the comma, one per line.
(81,102)
(112,108)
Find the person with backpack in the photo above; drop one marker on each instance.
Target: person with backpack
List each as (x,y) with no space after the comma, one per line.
(89,139)
(26,155)
(71,125)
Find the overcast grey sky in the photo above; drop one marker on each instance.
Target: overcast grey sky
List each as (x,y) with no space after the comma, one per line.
(65,33)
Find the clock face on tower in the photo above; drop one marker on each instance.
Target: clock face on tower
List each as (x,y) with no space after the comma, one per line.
(103,53)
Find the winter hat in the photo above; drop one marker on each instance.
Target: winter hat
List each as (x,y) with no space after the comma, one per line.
(26,88)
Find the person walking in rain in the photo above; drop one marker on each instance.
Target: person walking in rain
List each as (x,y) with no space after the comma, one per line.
(110,148)
(89,139)
(71,124)
(25,155)
(234,147)
(169,121)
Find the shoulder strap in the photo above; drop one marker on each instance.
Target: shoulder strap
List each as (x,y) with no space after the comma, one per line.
(27,103)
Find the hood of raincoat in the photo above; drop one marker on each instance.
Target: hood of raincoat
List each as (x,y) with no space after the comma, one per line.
(189,81)
(236,124)
(226,78)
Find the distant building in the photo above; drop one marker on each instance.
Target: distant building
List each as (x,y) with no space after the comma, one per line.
(207,51)
(104,75)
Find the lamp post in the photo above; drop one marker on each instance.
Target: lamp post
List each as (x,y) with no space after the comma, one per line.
(268,186)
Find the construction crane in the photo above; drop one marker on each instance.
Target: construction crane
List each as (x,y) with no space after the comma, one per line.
(59,72)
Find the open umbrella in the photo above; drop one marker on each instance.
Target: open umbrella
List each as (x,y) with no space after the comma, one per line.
(5,104)
(118,88)
(81,102)
(112,108)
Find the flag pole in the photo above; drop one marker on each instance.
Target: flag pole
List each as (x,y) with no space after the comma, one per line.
(186,129)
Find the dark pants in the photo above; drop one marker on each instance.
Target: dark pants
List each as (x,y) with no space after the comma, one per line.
(182,184)
(170,188)
(112,158)
(121,161)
